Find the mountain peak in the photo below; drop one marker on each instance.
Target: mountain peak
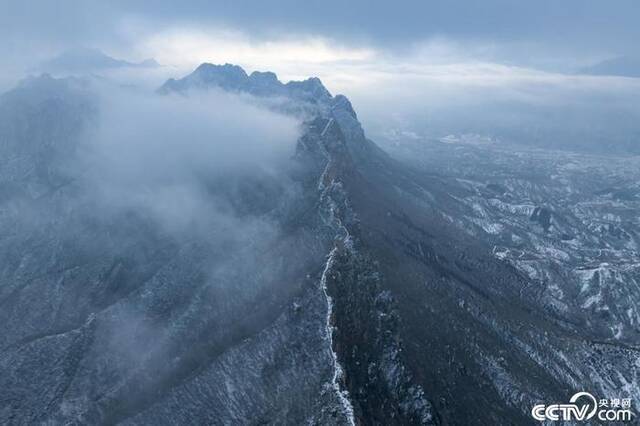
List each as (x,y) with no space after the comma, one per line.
(86,59)
(312,87)
(234,78)
(209,69)
(264,76)
(227,76)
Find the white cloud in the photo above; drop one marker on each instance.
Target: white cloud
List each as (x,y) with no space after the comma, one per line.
(159,154)
(292,57)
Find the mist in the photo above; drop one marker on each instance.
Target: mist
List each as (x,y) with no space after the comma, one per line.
(509,105)
(509,72)
(174,195)
(162,154)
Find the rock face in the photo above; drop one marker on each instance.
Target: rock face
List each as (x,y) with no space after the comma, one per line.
(233,78)
(366,300)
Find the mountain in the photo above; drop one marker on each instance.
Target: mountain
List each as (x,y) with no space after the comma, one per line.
(622,66)
(234,78)
(88,60)
(442,286)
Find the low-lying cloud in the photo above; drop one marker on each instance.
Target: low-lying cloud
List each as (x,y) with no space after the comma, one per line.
(512,104)
(142,137)
(171,157)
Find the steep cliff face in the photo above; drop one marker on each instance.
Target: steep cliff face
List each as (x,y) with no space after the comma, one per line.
(351,297)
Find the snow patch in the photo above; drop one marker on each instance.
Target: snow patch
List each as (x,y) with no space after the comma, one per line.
(343,395)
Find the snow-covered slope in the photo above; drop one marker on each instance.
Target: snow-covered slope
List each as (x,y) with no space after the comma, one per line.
(365,289)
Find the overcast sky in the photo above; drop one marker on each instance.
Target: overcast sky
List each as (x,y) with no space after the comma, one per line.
(540,33)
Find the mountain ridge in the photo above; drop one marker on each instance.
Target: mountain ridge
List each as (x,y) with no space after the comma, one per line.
(381,296)
(85,59)
(234,78)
